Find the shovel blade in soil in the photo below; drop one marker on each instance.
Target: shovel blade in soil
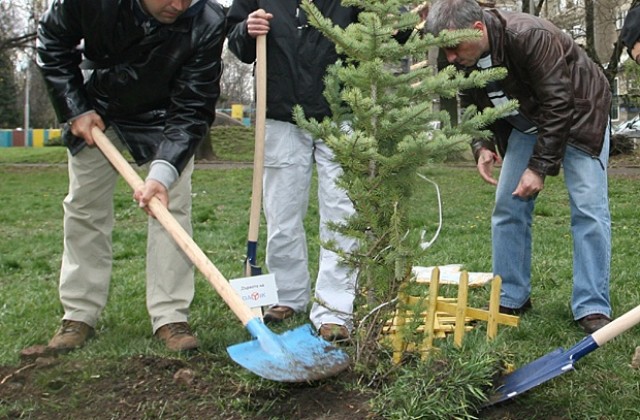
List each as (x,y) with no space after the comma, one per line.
(541,370)
(531,375)
(298,355)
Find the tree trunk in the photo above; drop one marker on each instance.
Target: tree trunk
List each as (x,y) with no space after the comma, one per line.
(205,150)
(590,30)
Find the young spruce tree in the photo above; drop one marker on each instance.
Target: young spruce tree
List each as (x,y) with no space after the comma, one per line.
(383,130)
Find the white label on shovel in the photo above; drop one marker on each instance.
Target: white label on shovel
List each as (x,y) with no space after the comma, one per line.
(256,291)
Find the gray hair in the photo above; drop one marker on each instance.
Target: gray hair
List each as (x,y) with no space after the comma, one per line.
(452,14)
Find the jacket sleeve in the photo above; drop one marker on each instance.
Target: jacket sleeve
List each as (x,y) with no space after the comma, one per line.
(195,92)
(553,90)
(58,58)
(241,44)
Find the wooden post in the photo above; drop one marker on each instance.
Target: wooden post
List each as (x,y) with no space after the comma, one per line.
(494,308)
(429,323)
(398,343)
(461,308)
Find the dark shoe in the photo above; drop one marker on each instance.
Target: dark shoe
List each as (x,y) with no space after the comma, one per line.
(592,323)
(177,336)
(277,314)
(516,311)
(70,336)
(334,332)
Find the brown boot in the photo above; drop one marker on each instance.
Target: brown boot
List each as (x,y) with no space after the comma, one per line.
(277,314)
(70,336)
(177,336)
(334,332)
(592,323)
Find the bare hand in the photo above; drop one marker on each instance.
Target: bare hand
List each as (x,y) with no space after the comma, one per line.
(146,192)
(635,52)
(530,184)
(82,125)
(486,160)
(258,23)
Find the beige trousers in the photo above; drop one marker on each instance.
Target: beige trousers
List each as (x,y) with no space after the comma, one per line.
(87,257)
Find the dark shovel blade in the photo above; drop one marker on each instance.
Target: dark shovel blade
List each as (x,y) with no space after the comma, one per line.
(531,375)
(541,370)
(293,356)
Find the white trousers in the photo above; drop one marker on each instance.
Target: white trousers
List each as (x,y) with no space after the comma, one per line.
(289,156)
(87,257)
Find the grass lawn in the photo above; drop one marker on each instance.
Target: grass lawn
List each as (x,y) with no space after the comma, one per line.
(603,386)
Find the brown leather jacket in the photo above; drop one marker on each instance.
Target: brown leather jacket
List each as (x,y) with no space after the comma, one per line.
(559,88)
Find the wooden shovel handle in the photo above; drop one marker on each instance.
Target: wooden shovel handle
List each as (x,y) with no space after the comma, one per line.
(617,326)
(258,154)
(182,238)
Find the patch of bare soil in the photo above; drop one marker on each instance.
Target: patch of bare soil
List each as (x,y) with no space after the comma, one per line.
(146,387)
(627,165)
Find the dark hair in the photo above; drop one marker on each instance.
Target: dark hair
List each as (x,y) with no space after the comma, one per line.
(452,14)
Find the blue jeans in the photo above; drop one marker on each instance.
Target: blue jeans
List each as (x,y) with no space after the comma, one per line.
(586,181)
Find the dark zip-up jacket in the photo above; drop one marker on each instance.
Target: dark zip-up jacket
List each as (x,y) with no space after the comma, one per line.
(630,33)
(297,54)
(560,89)
(155,84)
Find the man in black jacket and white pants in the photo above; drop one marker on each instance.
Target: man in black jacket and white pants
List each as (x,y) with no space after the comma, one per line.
(297,59)
(153,82)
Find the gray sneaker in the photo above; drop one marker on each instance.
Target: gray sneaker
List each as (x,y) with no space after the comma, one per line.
(70,336)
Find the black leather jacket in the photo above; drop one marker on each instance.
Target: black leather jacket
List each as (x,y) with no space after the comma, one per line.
(156,85)
(297,54)
(559,88)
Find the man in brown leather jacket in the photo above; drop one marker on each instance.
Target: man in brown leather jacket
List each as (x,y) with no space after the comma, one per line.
(562,120)
(152,80)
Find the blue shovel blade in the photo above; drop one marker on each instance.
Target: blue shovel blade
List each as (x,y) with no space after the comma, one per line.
(533,374)
(298,355)
(541,370)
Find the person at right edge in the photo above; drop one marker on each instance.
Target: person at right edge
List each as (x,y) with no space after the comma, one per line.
(562,121)
(297,58)
(630,34)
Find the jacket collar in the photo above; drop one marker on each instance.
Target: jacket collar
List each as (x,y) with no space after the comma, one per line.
(495,32)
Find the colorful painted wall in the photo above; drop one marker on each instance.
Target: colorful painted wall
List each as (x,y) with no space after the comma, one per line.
(37,137)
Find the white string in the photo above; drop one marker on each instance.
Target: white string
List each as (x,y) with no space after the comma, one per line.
(423,245)
(426,244)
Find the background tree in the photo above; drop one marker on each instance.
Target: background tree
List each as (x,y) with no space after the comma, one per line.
(236,83)
(11,37)
(9,109)
(235,88)
(14,33)
(18,21)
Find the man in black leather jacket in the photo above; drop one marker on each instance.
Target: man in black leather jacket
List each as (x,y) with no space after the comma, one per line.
(562,120)
(148,72)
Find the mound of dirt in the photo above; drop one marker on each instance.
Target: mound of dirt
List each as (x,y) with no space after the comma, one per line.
(146,387)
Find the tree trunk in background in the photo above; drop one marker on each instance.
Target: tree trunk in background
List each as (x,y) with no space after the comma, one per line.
(590,30)
(205,150)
